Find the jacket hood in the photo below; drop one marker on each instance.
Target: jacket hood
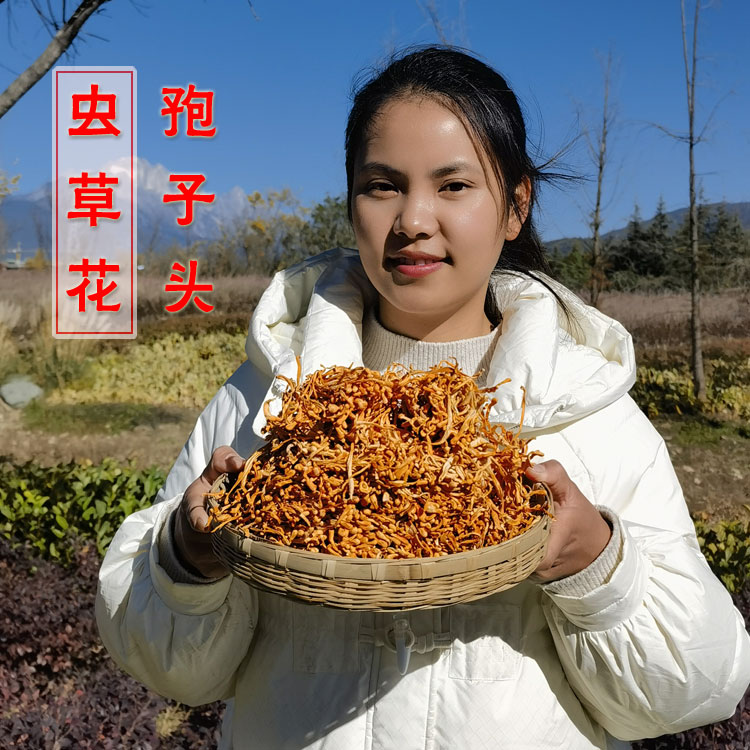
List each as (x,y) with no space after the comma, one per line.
(570,365)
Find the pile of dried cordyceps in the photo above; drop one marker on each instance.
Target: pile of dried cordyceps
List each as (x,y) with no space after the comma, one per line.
(394,465)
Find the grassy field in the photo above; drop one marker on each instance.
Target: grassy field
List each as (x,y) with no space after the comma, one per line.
(138,400)
(660,324)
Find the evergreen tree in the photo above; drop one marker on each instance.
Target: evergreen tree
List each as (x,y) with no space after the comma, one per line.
(681,272)
(661,245)
(627,257)
(328,227)
(574,269)
(726,251)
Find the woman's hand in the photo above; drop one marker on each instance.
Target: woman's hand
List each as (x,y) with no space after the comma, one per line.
(578,534)
(192,538)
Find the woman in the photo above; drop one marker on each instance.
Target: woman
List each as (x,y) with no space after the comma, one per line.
(623,632)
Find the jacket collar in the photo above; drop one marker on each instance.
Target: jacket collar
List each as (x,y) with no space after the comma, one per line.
(569,367)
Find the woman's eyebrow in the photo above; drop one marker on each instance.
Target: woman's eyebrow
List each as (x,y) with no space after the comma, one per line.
(445,171)
(456,166)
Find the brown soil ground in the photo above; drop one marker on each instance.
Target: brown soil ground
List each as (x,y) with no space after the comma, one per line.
(714,472)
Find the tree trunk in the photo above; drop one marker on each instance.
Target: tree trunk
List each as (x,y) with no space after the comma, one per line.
(60,42)
(696,337)
(596,250)
(599,154)
(596,219)
(699,375)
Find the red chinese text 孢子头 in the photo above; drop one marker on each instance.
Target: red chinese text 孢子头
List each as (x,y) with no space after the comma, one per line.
(188,288)
(187,194)
(198,107)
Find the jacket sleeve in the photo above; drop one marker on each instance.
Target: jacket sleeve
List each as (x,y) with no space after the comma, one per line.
(658,647)
(184,641)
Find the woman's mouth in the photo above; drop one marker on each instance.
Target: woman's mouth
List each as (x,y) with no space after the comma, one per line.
(414,267)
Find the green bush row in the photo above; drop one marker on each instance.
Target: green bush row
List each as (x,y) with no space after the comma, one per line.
(664,391)
(173,369)
(51,507)
(186,369)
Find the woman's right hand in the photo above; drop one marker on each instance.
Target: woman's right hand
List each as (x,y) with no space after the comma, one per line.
(191,536)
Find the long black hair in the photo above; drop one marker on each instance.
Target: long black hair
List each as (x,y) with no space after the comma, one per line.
(482,99)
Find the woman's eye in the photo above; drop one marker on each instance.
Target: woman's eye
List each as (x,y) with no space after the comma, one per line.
(380,187)
(455,187)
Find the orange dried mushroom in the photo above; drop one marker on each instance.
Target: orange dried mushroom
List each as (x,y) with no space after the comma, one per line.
(398,464)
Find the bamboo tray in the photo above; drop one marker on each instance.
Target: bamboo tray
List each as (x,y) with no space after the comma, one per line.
(381,585)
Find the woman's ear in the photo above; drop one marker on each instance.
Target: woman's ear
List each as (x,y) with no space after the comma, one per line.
(518,216)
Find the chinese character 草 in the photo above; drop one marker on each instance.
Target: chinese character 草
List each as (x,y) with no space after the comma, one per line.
(93,199)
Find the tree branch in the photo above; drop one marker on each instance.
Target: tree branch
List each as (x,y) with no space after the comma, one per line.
(710,117)
(431,12)
(252,10)
(670,133)
(59,43)
(685,53)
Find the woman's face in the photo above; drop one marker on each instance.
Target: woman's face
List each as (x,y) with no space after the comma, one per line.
(430,221)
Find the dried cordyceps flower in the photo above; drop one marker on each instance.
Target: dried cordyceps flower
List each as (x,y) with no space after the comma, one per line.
(394,465)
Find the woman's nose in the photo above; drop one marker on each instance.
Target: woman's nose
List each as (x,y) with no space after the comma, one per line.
(416,216)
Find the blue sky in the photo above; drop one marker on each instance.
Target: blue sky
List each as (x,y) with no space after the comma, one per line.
(282,88)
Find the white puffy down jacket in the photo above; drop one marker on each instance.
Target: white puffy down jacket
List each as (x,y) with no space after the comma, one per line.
(657,648)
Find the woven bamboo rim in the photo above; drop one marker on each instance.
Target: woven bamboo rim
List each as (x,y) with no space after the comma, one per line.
(380,585)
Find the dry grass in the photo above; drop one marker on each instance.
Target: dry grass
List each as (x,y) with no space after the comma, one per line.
(25,298)
(660,323)
(27,346)
(231,294)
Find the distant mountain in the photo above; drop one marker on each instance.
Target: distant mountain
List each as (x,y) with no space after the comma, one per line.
(676,218)
(27,218)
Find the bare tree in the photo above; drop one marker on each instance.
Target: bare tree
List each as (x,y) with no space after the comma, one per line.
(430,10)
(42,232)
(690,59)
(66,33)
(8,185)
(599,155)
(691,64)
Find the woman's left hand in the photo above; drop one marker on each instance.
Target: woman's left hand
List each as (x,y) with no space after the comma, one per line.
(578,533)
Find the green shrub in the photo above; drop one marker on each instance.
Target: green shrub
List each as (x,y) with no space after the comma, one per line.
(173,369)
(51,507)
(726,546)
(660,391)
